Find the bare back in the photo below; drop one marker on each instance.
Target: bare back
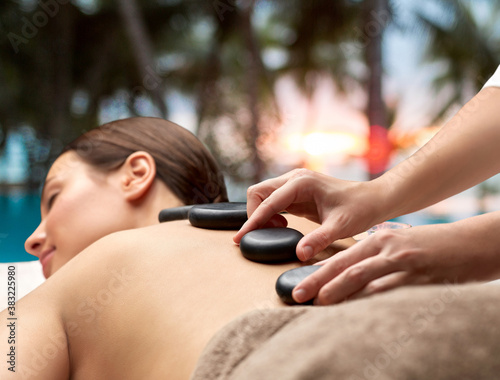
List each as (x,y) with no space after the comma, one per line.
(142,303)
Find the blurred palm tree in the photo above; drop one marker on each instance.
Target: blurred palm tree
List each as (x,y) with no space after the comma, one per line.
(317,33)
(134,25)
(338,38)
(468,47)
(59,62)
(132,53)
(376,16)
(126,53)
(235,102)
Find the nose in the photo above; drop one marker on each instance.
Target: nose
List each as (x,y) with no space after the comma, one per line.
(34,244)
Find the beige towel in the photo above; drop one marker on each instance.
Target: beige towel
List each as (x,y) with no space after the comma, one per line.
(429,333)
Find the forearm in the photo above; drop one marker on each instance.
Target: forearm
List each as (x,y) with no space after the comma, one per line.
(478,240)
(464,153)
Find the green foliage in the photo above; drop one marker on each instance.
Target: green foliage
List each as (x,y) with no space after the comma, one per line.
(469,48)
(59,65)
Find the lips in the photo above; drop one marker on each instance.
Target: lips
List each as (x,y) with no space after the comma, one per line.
(45,258)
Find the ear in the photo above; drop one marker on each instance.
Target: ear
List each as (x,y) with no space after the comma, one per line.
(138,175)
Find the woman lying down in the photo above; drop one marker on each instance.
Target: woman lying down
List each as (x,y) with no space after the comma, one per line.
(140,303)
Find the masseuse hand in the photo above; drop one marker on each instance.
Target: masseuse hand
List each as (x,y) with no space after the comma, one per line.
(434,254)
(343,208)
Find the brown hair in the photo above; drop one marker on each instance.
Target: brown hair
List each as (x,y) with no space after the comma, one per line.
(182,161)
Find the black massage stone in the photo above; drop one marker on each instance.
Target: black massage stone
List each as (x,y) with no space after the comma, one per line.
(270,245)
(219,216)
(290,279)
(174,213)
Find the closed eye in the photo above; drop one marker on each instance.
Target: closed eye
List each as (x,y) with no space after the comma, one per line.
(51,200)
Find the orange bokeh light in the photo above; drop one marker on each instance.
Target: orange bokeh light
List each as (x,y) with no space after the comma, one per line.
(327,143)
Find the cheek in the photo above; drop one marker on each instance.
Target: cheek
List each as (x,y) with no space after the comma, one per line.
(75,223)
(79,220)
(67,233)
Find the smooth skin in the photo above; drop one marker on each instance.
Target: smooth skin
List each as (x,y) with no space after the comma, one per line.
(138,304)
(81,204)
(142,299)
(463,153)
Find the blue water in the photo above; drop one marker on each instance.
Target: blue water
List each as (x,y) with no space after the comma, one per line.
(19,216)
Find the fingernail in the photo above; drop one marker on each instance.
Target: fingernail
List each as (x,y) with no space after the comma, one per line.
(307,252)
(299,295)
(275,223)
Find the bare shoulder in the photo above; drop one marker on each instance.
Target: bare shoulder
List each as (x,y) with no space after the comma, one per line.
(170,280)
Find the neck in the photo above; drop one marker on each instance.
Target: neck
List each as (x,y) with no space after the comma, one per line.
(157,198)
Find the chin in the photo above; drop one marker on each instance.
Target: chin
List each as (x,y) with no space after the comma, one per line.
(53,269)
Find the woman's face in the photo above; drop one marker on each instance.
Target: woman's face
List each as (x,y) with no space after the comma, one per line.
(79,206)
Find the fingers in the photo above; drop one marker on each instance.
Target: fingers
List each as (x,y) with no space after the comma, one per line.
(381,262)
(383,284)
(276,221)
(333,268)
(267,199)
(352,280)
(314,242)
(258,219)
(259,192)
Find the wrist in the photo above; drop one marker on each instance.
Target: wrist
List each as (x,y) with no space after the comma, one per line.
(368,199)
(383,199)
(477,237)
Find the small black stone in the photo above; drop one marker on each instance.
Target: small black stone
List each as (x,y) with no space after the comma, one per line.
(270,245)
(290,279)
(174,213)
(219,216)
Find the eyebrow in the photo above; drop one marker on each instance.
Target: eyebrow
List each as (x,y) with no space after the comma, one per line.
(47,181)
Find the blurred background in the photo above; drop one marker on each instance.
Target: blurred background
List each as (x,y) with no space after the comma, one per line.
(345,87)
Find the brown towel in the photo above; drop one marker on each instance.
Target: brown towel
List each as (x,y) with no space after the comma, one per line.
(429,333)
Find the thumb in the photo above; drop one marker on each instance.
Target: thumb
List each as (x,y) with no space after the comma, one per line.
(314,242)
